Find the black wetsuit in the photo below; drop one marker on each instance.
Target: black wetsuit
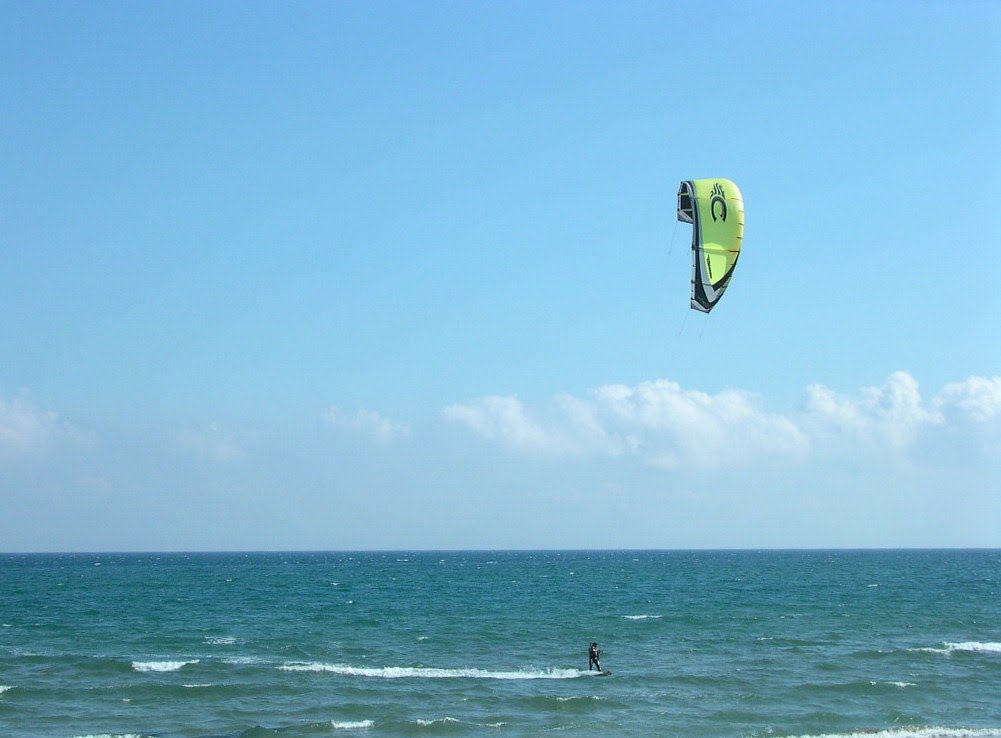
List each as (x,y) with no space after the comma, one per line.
(592,654)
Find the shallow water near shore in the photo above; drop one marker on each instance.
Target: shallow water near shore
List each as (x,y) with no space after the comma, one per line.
(899,644)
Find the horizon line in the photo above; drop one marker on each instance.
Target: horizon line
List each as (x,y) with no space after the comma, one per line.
(793,549)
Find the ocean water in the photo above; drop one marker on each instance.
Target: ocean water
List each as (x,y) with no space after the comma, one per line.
(892,644)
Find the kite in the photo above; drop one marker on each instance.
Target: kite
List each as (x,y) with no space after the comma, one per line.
(715,209)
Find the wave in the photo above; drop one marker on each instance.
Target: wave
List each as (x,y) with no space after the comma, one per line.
(916,732)
(161,665)
(245,660)
(426,723)
(302,729)
(220,641)
(420,672)
(856,687)
(642,617)
(436,721)
(973,646)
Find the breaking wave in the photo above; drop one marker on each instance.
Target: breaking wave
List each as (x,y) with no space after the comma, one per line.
(161,665)
(220,641)
(420,672)
(972,646)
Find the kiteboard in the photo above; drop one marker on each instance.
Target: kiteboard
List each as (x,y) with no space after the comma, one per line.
(603,673)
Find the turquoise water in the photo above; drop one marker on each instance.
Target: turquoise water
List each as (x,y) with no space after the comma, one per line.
(744,644)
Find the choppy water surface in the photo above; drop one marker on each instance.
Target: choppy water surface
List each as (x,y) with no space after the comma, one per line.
(900,644)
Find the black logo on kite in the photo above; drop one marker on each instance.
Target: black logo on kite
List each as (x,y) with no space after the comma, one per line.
(718,199)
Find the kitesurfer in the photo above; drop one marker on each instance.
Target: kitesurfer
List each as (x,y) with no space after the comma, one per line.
(592,657)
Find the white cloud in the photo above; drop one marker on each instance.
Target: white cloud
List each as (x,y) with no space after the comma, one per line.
(368,423)
(977,399)
(212,443)
(26,429)
(889,416)
(666,425)
(505,419)
(671,426)
(658,421)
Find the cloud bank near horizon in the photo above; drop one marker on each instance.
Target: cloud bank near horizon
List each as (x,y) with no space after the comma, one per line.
(658,423)
(671,427)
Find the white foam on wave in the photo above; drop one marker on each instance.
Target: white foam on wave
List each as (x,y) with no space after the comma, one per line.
(4,688)
(161,665)
(351,725)
(973,646)
(436,721)
(899,685)
(916,732)
(220,640)
(642,617)
(244,660)
(421,672)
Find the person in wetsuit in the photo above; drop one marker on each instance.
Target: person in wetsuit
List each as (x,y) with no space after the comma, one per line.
(592,657)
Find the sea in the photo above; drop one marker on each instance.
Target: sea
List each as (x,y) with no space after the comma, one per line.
(720,644)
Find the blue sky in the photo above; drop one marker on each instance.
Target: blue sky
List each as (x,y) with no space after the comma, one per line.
(408,275)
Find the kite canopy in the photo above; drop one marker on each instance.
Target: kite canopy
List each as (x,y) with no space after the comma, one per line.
(715,209)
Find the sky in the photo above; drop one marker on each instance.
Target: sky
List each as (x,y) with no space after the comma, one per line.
(408,275)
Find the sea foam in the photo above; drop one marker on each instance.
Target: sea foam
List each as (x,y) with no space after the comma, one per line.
(351,725)
(4,688)
(973,646)
(436,721)
(245,660)
(642,617)
(420,672)
(220,641)
(161,665)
